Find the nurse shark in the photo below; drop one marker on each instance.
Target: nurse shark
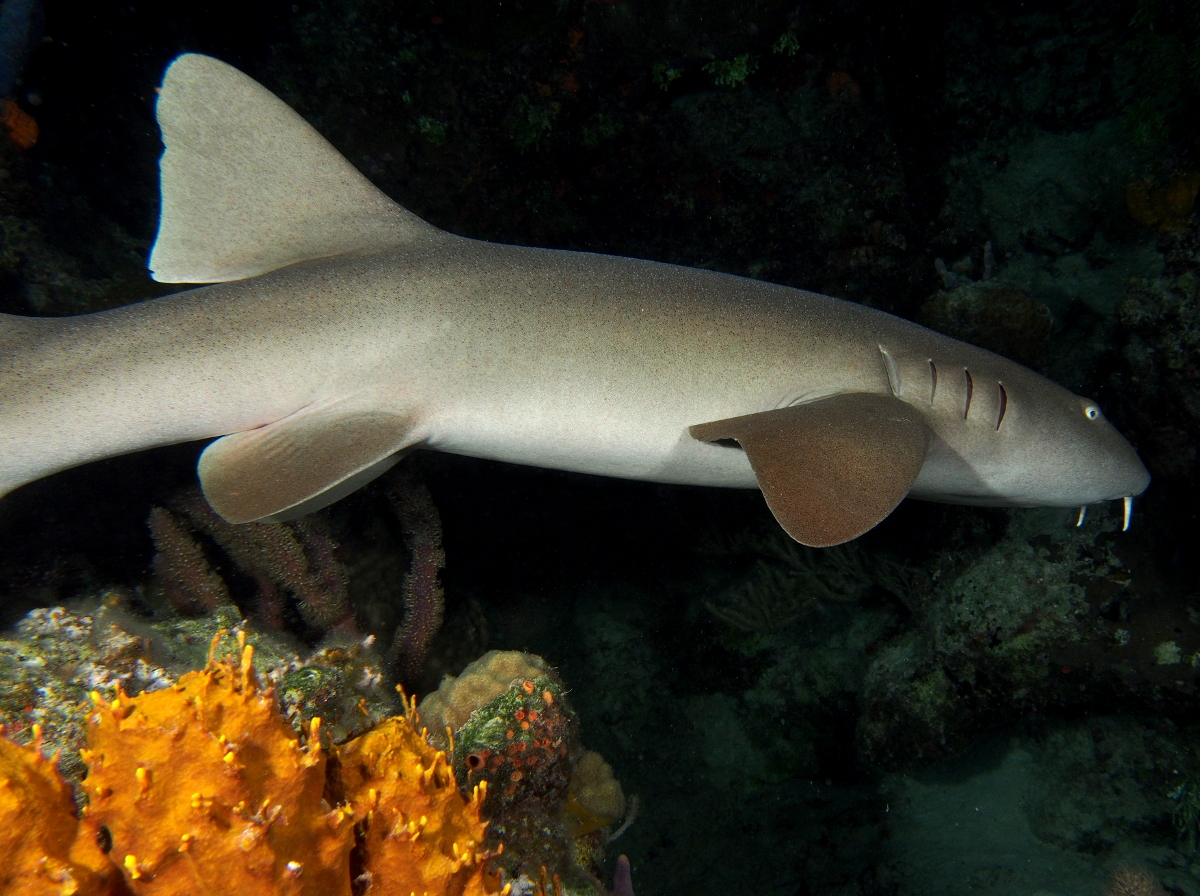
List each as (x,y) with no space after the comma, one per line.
(341,331)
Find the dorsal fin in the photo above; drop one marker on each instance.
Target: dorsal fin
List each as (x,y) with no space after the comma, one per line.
(248,186)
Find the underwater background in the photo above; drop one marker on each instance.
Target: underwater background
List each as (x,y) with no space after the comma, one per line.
(964,700)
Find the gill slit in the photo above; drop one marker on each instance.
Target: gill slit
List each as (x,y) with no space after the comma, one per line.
(893,373)
(1003,405)
(970,389)
(932,381)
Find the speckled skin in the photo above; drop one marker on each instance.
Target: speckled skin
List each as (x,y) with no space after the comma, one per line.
(557,359)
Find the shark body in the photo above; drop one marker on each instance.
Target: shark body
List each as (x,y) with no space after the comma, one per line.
(342,331)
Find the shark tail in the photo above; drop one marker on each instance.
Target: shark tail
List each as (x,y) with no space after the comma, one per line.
(248,186)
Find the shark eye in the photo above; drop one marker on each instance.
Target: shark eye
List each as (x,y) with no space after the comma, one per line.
(1093,412)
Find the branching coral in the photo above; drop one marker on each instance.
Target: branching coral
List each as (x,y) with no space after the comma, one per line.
(185,574)
(285,561)
(276,572)
(787,578)
(424,600)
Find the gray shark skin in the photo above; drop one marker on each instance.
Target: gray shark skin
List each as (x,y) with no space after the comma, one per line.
(341,332)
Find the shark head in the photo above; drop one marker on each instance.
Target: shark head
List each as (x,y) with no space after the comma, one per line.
(1065,453)
(1031,443)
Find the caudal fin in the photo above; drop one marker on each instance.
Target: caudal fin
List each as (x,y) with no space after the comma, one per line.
(248,186)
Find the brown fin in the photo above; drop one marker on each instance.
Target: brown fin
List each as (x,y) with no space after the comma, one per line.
(301,463)
(834,468)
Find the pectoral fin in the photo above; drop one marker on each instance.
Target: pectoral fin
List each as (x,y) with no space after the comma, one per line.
(834,468)
(300,463)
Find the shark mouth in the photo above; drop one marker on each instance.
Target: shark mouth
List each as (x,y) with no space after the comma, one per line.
(1128,499)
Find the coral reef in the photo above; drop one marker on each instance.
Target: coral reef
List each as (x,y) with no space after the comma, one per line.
(1156,361)
(1167,208)
(21,127)
(785,578)
(867,142)
(292,576)
(594,796)
(416,836)
(57,254)
(50,664)
(1185,814)
(1101,778)
(1044,618)
(1160,354)
(994,315)
(183,570)
(55,658)
(481,682)
(204,787)
(549,801)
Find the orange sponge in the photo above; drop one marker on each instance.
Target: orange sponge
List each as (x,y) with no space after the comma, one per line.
(39,832)
(203,787)
(418,833)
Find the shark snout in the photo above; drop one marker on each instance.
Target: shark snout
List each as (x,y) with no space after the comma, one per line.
(1108,465)
(1130,477)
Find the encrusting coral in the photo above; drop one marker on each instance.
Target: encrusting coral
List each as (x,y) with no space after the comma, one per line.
(203,787)
(481,682)
(551,802)
(1133,880)
(594,796)
(98,646)
(1166,208)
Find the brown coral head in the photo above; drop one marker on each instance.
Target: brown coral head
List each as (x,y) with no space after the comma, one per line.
(21,126)
(1133,880)
(1167,208)
(843,88)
